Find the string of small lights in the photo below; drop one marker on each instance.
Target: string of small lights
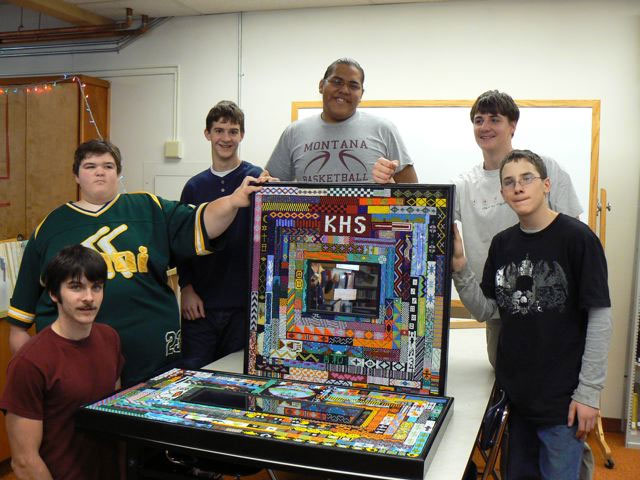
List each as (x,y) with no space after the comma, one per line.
(40,88)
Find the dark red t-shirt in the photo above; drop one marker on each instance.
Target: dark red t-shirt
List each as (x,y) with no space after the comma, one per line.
(48,379)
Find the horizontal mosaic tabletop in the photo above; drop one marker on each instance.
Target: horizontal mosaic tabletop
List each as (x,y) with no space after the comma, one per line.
(281,423)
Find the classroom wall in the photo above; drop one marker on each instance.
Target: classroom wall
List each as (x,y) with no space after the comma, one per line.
(533,49)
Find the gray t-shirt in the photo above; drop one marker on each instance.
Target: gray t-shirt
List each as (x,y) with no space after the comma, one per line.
(312,150)
(484,213)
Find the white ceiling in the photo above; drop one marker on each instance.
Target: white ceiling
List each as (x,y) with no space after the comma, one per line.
(115,9)
(31,19)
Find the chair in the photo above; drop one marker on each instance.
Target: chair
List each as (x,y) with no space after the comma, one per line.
(606,451)
(489,439)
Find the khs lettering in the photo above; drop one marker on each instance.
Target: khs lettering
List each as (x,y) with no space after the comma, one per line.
(126,262)
(345,225)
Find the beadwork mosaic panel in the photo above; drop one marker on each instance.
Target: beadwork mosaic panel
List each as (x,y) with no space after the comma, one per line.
(317,426)
(350,285)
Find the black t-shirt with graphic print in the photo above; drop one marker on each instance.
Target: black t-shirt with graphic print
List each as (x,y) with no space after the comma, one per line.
(544,284)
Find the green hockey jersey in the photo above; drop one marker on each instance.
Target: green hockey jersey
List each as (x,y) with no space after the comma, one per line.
(139,235)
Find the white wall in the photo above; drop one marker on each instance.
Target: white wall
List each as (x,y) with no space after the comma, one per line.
(533,49)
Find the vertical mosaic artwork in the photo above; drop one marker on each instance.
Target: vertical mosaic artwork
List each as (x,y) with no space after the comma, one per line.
(350,285)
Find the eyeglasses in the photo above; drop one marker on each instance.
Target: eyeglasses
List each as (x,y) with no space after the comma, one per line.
(337,82)
(510,183)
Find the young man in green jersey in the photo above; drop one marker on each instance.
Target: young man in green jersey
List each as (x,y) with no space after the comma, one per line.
(137,234)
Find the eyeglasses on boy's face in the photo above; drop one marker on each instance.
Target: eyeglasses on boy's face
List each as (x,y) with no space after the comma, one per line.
(338,82)
(526,179)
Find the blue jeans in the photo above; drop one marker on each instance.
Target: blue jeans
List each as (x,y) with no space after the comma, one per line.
(207,339)
(547,452)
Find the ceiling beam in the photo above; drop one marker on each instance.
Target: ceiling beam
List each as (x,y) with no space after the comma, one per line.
(63,11)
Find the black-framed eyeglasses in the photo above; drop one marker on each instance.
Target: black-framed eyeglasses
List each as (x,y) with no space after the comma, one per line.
(510,183)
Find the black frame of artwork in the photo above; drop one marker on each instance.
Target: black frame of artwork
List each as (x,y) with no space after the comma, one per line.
(406,229)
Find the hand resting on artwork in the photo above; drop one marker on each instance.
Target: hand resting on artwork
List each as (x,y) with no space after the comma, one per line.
(267,175)
(458,259)
(467,285)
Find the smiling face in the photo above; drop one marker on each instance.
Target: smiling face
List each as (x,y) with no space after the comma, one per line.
(225,137)
(493,132)
(78,302)
(341,93)
(98,179)
(523,189)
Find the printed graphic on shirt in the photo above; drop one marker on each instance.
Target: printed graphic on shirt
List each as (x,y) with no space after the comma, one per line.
(335,152)
(530,287)
(126,262)
(484,204)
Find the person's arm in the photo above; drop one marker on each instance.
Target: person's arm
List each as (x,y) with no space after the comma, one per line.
(406,175)
(585,403)
(471,295)
(459,194)
(25,437)
(397,152)
(384,171)
(25,296)
(562,197)
(18,336)
(191,305)
(219,214)
(280,164)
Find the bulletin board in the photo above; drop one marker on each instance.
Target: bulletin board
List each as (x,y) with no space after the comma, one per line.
(439,137)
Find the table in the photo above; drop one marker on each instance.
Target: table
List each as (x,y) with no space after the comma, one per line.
(469,380)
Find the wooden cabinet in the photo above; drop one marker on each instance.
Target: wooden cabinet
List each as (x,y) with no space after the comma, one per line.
(39,131)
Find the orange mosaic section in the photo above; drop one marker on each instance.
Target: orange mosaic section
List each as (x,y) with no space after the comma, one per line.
(307,375)
(363,342)
(381,201)
(307,337)
(311,329)
(337,257)
(374,420)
